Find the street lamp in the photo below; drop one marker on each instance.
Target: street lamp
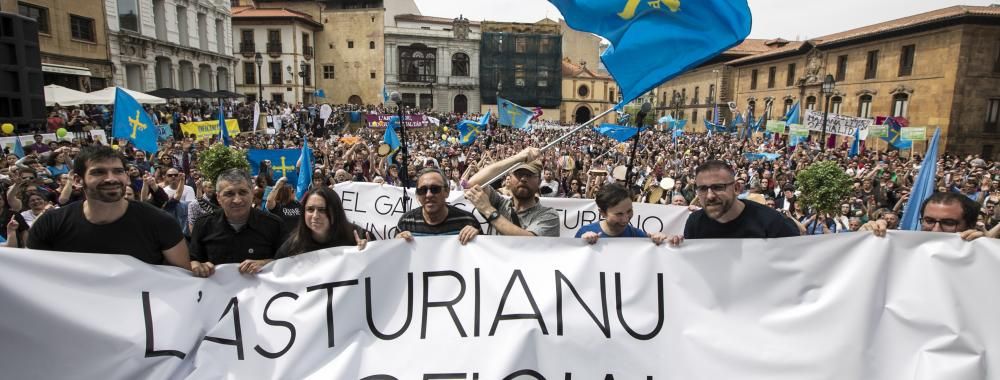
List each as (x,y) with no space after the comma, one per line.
(827,90)
(260,81)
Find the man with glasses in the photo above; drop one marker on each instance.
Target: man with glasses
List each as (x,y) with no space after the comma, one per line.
(726,217)
(435,216)
(942,212)
(521,215)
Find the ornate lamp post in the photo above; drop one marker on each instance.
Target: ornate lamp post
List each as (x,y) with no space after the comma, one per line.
(827,90)
(260,81)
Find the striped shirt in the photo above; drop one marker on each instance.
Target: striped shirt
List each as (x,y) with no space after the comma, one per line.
(457,219)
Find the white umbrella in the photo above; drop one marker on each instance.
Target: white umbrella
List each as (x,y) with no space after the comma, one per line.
(107,96)
(55,94)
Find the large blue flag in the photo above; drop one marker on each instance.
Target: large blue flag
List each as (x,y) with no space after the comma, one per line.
(223,131)
(282,162)
(792,117)
(133,123)
(305,172)
(923,187)
(895,136)
(391,138)
(18,148)
(617,132)
(513,115)
(469,130)
(653,41)
(856,145)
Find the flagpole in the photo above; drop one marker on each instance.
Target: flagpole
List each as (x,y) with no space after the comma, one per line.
(553,143)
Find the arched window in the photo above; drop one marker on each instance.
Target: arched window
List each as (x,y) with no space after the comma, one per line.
(865,106)
(835,103)
(811,103)
(695,100)
(900,104)
(788,107)
(417,63)
(460,65)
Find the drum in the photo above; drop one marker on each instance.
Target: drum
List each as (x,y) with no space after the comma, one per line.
(619,173)
(383,150)
(667,183)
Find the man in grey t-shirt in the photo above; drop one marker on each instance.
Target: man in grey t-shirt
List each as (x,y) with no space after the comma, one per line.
(521,215)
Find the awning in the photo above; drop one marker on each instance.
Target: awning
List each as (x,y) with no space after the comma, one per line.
(63,69)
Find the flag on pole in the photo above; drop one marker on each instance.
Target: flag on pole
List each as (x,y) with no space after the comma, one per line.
(469,129)
(256,115)
(653,41)
(923,187)
(513,115)
(18,147)
(617,132)
(792,117)
(856,144)
(391,138)
(305,171)
(223,131)
(385,95)
(895,136)
(131,122)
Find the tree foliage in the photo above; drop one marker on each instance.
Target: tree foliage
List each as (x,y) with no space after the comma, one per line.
(824,185)
(219,158)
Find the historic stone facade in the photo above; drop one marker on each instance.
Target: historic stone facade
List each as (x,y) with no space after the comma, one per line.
(285,40)
(434,62)
(585,94)
(180,44)
(352,42)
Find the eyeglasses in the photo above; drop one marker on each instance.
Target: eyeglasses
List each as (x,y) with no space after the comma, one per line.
(171,175)
(435,189)
(28,178)
(716,188)
(945,223)
(524,175)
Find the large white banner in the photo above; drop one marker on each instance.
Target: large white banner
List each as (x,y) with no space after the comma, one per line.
(378,208)
(838,124)
(846,306)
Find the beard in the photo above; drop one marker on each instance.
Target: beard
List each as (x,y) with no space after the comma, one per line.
(108,192)
(718,208)
(524,193)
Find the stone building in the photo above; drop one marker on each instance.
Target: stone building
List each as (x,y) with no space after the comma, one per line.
(937,69)
(285,40)
(73,44)
(585,94)
(434,62)
(180,44)
(581,47)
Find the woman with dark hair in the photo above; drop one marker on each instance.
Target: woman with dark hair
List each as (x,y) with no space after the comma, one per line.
(281,202)
(614,202)
(323,224)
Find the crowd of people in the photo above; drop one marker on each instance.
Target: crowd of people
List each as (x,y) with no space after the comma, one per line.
(68,188)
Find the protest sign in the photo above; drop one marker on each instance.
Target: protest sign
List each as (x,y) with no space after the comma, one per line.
(837,124)
(410,121)
(206,129)
(913,133)
(798,130)
(518,308)
(774,126)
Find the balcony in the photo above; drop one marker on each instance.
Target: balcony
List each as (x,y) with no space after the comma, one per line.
(463,82)
(248,49)
(307,52)
(274,49)
(420,78)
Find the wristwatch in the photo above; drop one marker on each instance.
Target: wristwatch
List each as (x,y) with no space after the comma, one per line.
(492,216)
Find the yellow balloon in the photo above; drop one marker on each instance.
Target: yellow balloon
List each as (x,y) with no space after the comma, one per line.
(446,129)
(114,146)
(7,128)
(444,136)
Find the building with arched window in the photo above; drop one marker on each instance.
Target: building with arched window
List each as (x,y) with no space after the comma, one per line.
(433,62)
(586,93)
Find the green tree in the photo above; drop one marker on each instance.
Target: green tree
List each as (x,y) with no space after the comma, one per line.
(219,158)
(824,185)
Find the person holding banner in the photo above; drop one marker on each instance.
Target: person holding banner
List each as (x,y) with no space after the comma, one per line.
(239,233)
(942,212)
(521,215)
(614,202)
(106,222)
(323,224)
(435,216)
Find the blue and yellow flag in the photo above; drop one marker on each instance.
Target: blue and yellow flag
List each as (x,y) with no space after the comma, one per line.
(923,188)
(18,148)
(391,138)
(617,132)
(895,136)
(131,122)
(282,162)
(223,131)
(470,129)
(305,171)
(653,41)
(513,115)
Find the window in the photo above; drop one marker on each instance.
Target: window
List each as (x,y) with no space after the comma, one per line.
(711,92)
(426,101)
(906,60)
(275,69)
(694,116)
(696,91)
(278,97)
(583,91)
(753,79)
(871,66)
(350,44)
(841,68)
(409,100)
(182,25)
(128,15)
(771,73)
(520,45)
(247,35)
(708,116)
(372,74)
(371,45)
(788,107)
(328,72)
(417,63)
(249,68)
(220,36)
(865,106)
(992,115)
(611,95)
(82,28)
(203,31)
(811,103)
(41,15)
(273,35)
(307,75)
(996,61)
(790,80)
(519,75)
(460,65)
(835,103)
(900,103)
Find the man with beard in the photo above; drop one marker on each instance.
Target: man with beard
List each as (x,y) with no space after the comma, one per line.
(725,216)
(521,215)
(435,216)
(106,222)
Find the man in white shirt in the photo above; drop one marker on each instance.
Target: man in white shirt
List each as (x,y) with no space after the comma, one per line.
(173,182)
(550,187)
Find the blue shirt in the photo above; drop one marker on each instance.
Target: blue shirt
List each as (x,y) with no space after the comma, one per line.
(596,227)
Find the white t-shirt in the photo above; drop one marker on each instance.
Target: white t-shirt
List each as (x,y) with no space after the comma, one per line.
(188,196)
(553,185)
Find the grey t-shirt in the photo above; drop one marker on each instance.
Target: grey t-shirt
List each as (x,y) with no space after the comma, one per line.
(539,220)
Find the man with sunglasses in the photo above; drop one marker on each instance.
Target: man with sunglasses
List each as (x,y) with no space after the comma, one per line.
(943,212)
(435,216)
(726,217)
(521,215)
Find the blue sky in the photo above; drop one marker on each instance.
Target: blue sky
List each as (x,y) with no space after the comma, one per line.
(787,19)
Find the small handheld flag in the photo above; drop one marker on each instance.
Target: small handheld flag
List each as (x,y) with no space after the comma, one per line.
(513,115)
(305,172)
(223,131)
(131,122)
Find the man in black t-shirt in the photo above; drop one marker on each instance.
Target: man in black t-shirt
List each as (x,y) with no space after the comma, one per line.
(106,222)
(435,216)
(725,216)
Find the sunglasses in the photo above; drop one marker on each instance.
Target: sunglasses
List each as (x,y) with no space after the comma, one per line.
(171,175)
(435,189)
